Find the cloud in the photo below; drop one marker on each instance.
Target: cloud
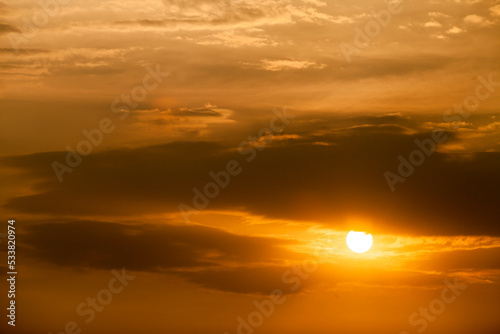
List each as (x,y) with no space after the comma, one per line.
(225,14)
(24,51)
(205,256)
(438,15)
(188,119)
(287,64)
(222,10)
(234,23)
(477,20)
(235,39)
(214,15)
(317,3)
(479,262)
(328,182)
(217,260)
(6,28)
(245,280)
(495,10)
(432,24)
(225,11)
(455,30)
(333,276)
(438,244)
(146,247)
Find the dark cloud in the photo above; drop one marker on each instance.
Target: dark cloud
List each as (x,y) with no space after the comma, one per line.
(6,28)
(214,259)
(25,51)
(152,248)
(208,112)
(461,260)
(319,276)
(258,280)
(325,177)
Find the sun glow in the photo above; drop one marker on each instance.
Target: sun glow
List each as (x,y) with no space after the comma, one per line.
(359,242)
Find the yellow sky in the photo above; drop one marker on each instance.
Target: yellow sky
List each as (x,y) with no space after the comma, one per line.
(221,150)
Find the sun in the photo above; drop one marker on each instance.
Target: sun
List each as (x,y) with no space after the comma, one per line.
(359,242)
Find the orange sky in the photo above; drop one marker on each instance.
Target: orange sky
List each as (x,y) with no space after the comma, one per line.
(218,153)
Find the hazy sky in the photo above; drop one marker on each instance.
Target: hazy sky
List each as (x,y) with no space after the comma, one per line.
(296,121)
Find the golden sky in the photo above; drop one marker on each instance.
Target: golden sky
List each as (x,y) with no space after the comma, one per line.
(219,152)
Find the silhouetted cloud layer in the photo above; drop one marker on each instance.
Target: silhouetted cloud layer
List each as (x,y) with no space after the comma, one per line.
(322,177)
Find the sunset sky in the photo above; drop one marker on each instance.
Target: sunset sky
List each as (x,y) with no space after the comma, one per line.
(219,152)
